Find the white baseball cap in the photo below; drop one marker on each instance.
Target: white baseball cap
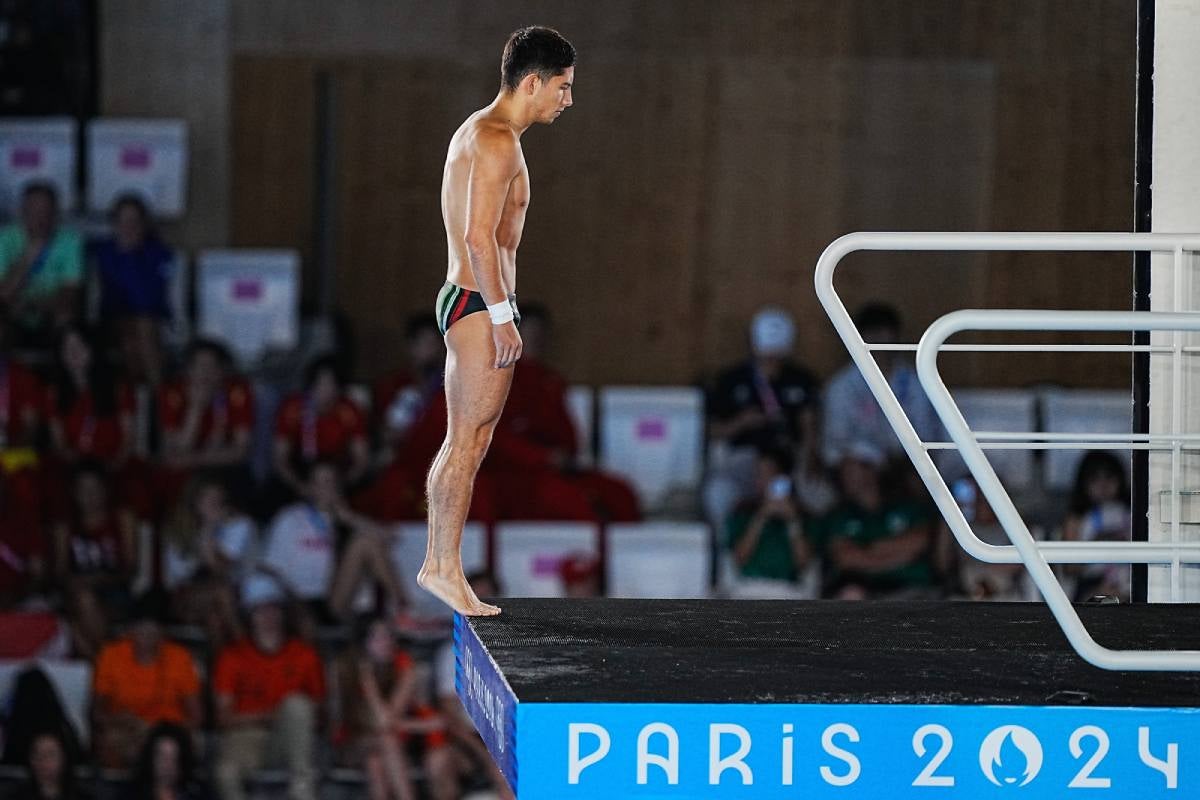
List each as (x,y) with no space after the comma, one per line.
(772,332)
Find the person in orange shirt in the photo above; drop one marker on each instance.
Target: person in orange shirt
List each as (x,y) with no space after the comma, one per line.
(268,688)
(139,680)
(320,423)
(207,420)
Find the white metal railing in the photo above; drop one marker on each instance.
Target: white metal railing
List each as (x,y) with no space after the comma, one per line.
(1037,556)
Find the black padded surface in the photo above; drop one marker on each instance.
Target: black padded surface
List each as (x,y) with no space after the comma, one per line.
(724,651)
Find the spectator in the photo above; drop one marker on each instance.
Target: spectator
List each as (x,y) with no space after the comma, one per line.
(90,412)
(95,557)
(383,716)
(41,268)
(51,770)
(966,575)
(875,546)
(207,419)
(402,398)
(33,708)
(320,424)
(322,550)
(851,412)
(140,680)
(22,546)
(534,457)
(133,266)
(532,470)
(768,400)
(166,768)
(766,534)
(209,547)
(269,687)
(22,399)
(469,756)
(1100,512)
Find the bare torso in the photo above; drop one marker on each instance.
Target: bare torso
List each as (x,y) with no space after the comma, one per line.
(465,148)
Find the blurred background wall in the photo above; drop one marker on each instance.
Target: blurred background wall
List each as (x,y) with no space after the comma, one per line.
(715,148)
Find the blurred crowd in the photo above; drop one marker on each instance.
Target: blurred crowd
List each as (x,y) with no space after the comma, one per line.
(243,616)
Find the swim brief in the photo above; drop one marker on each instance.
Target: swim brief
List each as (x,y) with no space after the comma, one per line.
(455,302)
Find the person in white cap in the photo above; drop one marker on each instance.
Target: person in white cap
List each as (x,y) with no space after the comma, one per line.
(766,401)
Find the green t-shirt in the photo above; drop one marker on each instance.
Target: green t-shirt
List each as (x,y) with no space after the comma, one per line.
(773,558)
(864,527)
(61,265)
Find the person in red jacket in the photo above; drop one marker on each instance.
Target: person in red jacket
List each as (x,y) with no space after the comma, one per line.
(22,396)
(401,398)
(534,457)
(22,538)
(207,419)
(320,423)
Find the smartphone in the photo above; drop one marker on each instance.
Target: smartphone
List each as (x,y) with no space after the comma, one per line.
(780,487)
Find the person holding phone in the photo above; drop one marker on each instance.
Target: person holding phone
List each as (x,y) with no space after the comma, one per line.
(766,535)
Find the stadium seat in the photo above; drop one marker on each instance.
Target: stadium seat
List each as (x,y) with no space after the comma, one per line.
(249,299)
(654,437)
(408,553)
(37,150)
(659,560)
(1007,410)
(528,554)
(1081,411)
(581,403)
(146,157)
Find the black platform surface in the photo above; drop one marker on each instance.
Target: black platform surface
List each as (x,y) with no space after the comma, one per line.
(727,651)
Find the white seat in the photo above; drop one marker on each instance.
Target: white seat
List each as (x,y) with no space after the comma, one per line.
(72,680)
(249,299)
(408,553)
(146,157)
(581,405)
(37,150)
(654,437)
(1081,411)
(659,560)
(1007,410)
(528,554)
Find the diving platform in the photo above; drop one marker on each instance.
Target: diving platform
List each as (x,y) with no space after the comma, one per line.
(712,699)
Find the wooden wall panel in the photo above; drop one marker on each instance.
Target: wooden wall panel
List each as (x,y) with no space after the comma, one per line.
(714,150)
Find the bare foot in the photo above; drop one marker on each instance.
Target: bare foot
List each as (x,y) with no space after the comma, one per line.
(454,591)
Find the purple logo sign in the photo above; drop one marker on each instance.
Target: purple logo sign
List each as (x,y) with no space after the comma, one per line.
(651,429)
(25,157)
(135,156)
(247,291)
(544,565)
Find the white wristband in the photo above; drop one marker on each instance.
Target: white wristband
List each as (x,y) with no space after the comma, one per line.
(500,312)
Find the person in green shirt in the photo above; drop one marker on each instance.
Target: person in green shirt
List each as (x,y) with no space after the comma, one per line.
(41,267)
(766,534)
(875,545)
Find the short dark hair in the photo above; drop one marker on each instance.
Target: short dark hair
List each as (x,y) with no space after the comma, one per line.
(534,49)
(43,188)
(779,457)
(328,362)
(216,349)
(877,315)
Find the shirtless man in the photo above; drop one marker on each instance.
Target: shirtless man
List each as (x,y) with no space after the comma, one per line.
(485,191)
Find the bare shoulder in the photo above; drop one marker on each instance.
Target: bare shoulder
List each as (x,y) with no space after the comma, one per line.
(494,141)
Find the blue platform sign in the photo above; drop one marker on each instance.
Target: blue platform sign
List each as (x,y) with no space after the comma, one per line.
(896,752)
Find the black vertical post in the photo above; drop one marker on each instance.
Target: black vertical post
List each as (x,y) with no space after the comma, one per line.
(1142,200)
(324,195)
